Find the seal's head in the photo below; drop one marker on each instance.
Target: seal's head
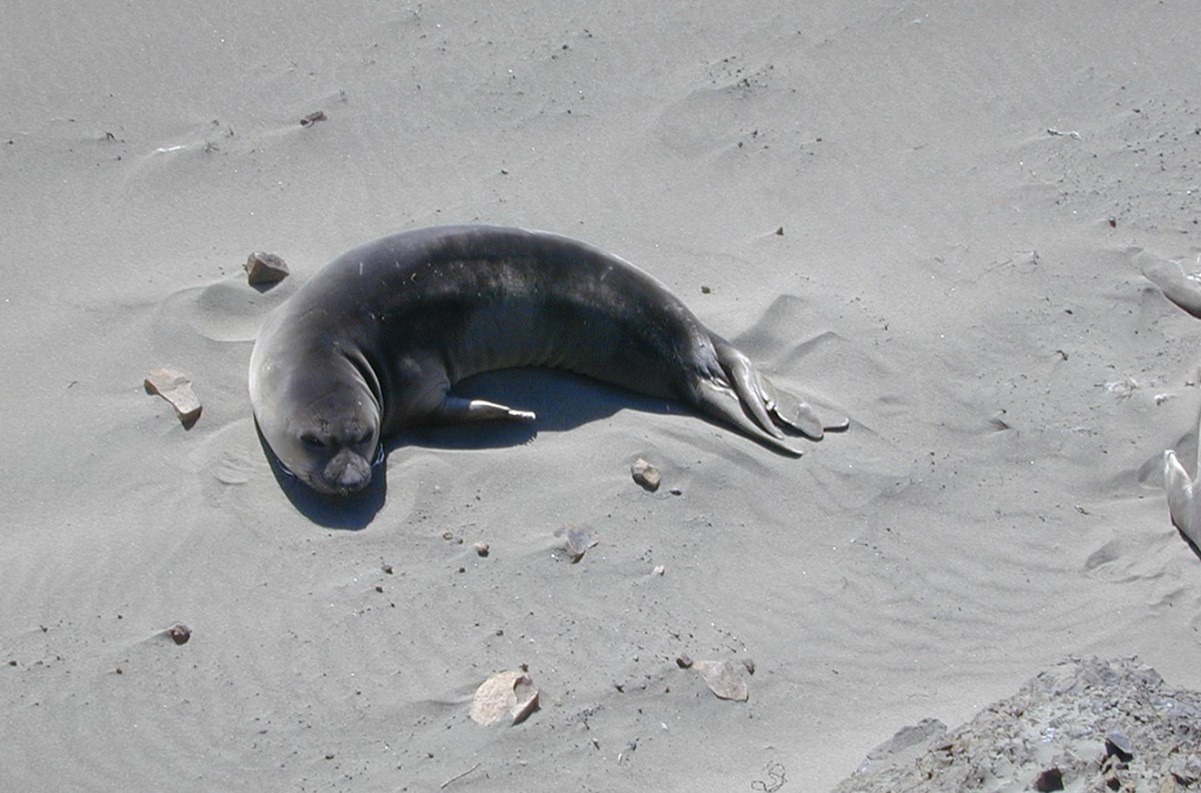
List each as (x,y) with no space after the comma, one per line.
(330,443)
(320,418)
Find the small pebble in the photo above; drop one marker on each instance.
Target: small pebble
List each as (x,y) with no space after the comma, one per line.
(646,475)
(659,570)
(482,548)
(684,662)
(577,540)
(179,633)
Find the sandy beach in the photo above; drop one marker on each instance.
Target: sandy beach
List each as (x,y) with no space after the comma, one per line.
(924,216)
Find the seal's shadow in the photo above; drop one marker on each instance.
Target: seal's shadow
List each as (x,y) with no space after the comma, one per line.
(561,401)
(333,512)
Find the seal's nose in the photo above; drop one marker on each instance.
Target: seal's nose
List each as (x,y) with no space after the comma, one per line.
(347,472)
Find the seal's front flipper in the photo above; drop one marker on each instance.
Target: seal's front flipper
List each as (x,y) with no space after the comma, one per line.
(1184,501)
(455,410)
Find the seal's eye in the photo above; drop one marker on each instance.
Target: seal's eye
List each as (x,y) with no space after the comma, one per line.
(311,441)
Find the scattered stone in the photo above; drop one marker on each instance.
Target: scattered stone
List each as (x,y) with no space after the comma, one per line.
(264,268)
(646,475)
(749,663)
(1116,743)
(482,548)
(1186,769)
(313,118)
(675,491)
(724,679)
(179,633)
(506,695)
(705,290)
(684,662)
(659,570)
(387,569)
(780,231)
(1049,780)
(176,389)
(577,539)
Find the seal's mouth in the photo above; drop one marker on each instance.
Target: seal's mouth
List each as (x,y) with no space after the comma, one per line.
(346,472)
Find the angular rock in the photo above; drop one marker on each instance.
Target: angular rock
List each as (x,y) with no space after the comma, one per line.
(264,268)
(577,539)
(724,679)
(176,389)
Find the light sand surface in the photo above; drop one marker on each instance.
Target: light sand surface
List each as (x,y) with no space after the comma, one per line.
(951,275)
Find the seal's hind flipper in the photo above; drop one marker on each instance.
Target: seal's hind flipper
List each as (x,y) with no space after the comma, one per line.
(792,411)
(772,409)
(720,401)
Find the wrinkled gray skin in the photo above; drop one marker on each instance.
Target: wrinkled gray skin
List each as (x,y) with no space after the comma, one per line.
(375,340)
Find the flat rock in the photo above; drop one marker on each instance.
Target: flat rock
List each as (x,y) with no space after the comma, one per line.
(176,389)
(724,678)
(506,696)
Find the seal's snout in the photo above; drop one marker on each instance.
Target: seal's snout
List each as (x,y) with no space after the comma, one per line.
(347,472)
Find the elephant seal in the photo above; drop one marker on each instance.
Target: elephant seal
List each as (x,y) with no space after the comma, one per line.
(375,340)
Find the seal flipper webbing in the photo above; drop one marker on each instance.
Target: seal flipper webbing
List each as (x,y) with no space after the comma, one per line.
(773,409)
(721,402)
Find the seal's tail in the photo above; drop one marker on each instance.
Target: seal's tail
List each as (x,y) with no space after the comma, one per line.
(741,395)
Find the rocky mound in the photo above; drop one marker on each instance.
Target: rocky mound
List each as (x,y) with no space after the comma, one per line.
(1083,725)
